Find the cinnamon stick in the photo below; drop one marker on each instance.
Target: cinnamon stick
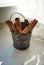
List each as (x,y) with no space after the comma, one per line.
(11,25)
(18,23)
(28,28)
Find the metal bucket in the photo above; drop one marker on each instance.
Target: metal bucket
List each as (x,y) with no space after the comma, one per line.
(20,41)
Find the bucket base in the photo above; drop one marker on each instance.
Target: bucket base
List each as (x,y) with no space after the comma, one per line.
(20,41)
(21,47)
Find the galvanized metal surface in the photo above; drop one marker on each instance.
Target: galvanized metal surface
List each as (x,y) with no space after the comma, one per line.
(21,41)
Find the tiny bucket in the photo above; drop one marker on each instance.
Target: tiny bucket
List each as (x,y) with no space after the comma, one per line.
(20,41)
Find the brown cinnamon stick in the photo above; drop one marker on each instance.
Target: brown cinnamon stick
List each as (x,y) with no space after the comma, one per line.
(28,28)
(18,27)
(24,24)
(18,23)
(11,25)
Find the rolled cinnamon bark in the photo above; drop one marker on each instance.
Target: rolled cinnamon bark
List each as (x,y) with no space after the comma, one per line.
(11,25)
(24,24)
(32,24)
(17,26)
(18,23)
(28,28)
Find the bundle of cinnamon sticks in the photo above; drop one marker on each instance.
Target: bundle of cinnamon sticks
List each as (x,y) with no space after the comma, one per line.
(21,27)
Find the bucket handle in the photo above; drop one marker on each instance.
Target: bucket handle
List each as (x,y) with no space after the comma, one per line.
(16,13)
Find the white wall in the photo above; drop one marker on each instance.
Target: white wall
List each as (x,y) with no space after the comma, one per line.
(29,8)
(36,9)
(5,13)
